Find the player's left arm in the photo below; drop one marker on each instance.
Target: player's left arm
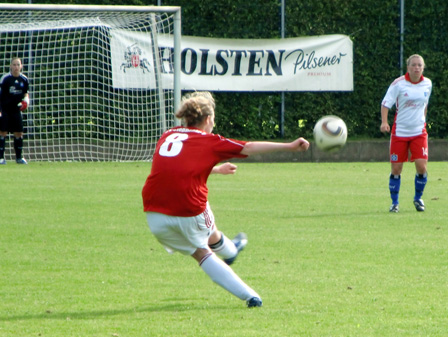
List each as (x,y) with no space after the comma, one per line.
(426,107)
(25,102)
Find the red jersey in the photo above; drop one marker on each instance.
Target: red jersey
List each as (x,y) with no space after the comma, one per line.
(183,160)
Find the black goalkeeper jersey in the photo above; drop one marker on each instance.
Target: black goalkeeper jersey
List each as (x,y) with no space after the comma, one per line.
(12,91)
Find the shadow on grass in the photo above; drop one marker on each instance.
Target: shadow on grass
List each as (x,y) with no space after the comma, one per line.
(341,214)
(175,306)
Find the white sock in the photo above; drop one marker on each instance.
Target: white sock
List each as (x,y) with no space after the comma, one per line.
(224,276)
(226,249)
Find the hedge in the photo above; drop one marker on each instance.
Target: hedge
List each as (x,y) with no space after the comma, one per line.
(374,27)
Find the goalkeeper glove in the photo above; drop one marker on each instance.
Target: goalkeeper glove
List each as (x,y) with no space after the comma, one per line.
(24,104)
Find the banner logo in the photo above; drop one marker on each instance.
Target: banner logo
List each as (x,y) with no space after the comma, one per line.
(132,59)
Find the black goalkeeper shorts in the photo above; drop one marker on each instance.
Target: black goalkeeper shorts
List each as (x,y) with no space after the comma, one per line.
(11,122)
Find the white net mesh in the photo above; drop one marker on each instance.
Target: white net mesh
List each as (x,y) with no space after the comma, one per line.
(101,82)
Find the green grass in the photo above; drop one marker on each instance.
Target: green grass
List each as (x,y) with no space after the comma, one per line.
(328,259)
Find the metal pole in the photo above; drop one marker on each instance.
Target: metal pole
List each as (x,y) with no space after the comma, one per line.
(282,10)
(401,34)
(30,74)
(282,105)
(90,8)
(30,44)
(157,70)
(177,55)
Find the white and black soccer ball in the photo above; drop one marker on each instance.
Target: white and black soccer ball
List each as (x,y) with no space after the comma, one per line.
(330,133)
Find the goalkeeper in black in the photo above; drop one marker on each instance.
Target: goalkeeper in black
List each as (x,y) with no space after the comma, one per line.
(13,100)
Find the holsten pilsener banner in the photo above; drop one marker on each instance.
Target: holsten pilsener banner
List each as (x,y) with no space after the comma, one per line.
(318,63)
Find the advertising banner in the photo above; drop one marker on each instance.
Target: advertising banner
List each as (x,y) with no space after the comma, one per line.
(316,63)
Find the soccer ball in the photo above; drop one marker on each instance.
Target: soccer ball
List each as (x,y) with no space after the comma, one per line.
(330,133)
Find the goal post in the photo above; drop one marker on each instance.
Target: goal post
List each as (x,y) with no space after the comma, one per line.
(104,80)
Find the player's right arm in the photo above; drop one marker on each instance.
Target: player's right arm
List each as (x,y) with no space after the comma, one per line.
(389,100)
(384,123)
(251,148)
(1,98)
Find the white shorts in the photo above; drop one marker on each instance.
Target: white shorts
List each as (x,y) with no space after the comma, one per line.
(182,234)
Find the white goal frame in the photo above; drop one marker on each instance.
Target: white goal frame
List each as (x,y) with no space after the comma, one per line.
(69,121)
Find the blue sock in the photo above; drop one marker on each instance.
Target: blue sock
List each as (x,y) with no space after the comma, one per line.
(420,183)
(394,187)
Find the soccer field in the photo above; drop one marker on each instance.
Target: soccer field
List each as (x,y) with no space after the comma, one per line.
(328,259)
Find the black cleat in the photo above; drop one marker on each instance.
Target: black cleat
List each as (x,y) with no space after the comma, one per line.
(393,208)
(240,242)
(419,205)
(254,302)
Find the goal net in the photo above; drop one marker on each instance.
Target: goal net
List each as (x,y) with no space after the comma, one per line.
(104,80)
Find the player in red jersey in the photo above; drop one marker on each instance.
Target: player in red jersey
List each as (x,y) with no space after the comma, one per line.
(175,192)
(13,100)
(410,94)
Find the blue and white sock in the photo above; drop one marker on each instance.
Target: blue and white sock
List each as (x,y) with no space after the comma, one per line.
(394,187)
(420,183)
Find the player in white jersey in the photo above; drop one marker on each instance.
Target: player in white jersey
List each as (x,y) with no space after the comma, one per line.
(410,94)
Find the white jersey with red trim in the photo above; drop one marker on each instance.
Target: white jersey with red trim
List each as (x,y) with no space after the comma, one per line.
(411,100)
